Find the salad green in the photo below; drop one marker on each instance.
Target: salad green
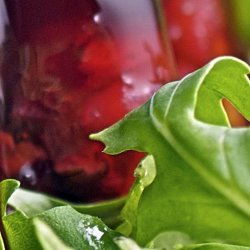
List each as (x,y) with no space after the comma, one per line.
(201,187)
(192,190)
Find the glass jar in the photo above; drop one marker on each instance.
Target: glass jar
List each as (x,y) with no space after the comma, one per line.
(79,66)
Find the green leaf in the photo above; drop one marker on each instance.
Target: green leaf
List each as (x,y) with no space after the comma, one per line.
(170,241)
(202,183)
(174,241)
(33,203)
(48,238)
(145,174)
(29,231)
(127,244)
(215,246)
(7,188)
(20,232)
(1,243)
(77,231)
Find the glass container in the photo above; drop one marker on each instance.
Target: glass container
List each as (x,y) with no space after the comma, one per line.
(74,68)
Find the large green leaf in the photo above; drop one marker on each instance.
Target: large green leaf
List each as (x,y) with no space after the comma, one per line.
(202,185)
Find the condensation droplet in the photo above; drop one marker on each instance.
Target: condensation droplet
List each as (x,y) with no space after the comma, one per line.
(127,79)
(27,175)
(97,18)
(91,234)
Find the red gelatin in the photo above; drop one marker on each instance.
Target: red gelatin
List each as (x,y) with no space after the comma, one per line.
(82,66)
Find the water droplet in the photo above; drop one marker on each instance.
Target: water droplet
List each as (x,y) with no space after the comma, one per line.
(97,18)
(27,175)
(128,80)
(95,232)
(139,172)
(96,114)
(90,234)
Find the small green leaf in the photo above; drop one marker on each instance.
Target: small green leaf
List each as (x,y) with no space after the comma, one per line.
(145,174)
(33,203)
(1,243)
(20,232)
(7,188)
(77,231)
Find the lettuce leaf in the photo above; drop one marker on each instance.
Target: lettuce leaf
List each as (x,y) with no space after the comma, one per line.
(215,246)
(33,203)
(202,186)
(69,228)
